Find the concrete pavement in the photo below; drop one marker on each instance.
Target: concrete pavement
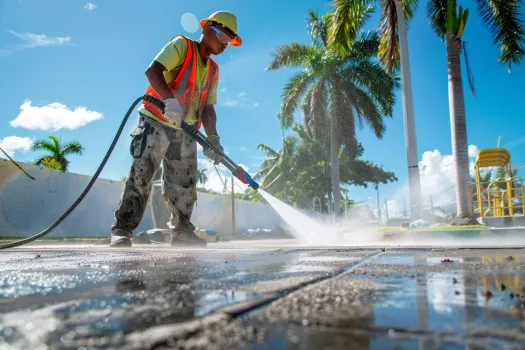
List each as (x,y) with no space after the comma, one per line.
(263,296)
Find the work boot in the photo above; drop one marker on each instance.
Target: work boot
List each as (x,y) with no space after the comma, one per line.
(120,238)
(186,238)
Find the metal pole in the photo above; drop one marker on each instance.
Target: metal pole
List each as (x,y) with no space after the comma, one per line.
(314,201)
(408,113)
(378,205)
(284,170)
(234,228)
(346,201)
(432,209)
(334,158)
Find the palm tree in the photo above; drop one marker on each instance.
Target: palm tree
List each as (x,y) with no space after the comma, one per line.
(336,91)
(504,22)
(58,152)
(484,177)
(272,168)
(201,176)
(312,173)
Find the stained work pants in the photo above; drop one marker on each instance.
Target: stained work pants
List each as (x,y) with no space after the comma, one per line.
(151,144)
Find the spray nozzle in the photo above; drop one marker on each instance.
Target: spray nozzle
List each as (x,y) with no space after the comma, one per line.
(245,178)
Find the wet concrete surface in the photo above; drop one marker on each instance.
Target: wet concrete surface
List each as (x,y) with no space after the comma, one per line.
(262,298)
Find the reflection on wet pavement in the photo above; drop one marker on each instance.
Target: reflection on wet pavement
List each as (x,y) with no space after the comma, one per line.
(318,338)
(215,300)
(96,299)
(471,295)
(350,299)
(423,300)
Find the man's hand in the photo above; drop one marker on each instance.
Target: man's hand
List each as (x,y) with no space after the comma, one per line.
(215,157)
(173,112)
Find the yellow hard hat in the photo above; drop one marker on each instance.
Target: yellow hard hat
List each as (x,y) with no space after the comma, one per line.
(226,19)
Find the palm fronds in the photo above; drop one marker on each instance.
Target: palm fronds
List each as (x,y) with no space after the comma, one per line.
(293,91)
(291,56)
(507,27)
(437,13)
(345,21)
(73,147)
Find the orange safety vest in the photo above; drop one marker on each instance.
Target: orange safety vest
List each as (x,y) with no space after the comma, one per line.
(183,87)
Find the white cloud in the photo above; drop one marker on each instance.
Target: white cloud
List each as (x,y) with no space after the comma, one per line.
(243,149)
(239,100)
(12,144)
(437,178)
(230,103)
(40,39)
(223,89)
(54,116)
(90,6)
(473,151)
(32,40)
(249,105)
(233,103)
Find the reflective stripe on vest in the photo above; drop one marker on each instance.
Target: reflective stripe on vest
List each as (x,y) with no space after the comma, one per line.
(211,78)
(183,86)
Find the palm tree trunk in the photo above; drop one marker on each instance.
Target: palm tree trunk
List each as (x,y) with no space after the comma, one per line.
(414,181)
(458,126)
(334,158)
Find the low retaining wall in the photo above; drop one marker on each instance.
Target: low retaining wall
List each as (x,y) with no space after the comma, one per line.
(30,206)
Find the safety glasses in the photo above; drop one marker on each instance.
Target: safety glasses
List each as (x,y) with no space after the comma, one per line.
(223,38)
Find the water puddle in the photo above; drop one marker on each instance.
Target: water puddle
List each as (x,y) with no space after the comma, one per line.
(208,302)
(289,337)
(305,268)
(395,260)
(452,302)
(413,260)
(329,259)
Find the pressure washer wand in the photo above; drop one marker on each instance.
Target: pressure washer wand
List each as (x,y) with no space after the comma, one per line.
(194,132)
(236,170)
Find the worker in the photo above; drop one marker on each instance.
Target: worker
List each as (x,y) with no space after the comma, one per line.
(185,77)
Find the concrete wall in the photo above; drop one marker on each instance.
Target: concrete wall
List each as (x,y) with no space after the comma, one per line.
(30,206)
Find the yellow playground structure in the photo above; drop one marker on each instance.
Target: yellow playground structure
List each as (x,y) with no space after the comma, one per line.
(505,195)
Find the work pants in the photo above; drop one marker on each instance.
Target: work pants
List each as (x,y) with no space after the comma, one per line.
(151,144)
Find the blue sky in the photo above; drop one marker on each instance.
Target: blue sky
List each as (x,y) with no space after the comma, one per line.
(84,62)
